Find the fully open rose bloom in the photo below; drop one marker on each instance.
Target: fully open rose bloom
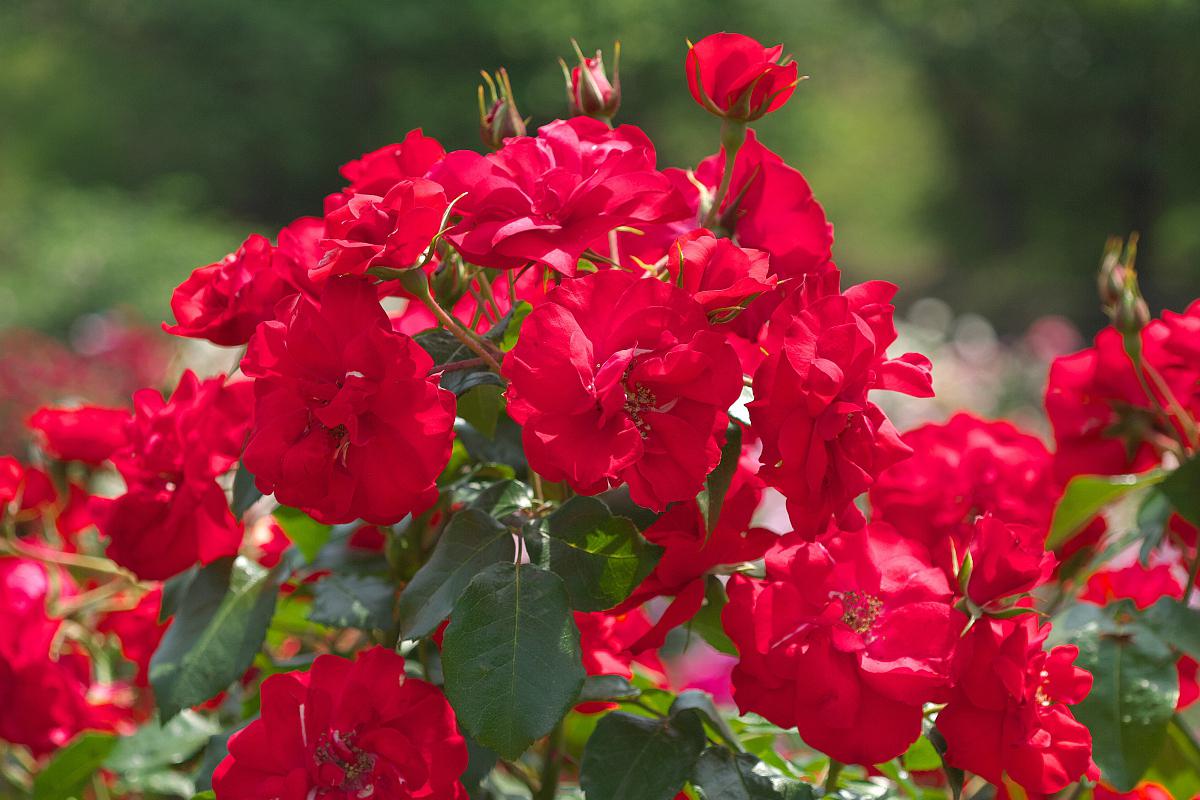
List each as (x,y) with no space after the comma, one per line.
(824,442)
(718,274)
(1008,715)
(618,379)
(223,302)
(43,699)
(347,730)
(378,171)
(1007,560)
(844,640)
(173,513)
(547,199)
(90,434)
(734,76)
(348,425)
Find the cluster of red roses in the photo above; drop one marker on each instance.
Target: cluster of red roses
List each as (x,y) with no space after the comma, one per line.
(651,304)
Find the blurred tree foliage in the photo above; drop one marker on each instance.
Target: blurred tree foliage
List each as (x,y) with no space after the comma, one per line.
(979,151)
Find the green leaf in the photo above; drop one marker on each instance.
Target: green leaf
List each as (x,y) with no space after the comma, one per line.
(703,703)
(205,795)
(601,688)
(1151,521)
(722,775)
(712,499)
(601,558)
(214,753)
(245,493)
(354,601)
(1176,624)
(471,541)
(502,499)
(511,657)
(630,757)
(922,756)
(155,746)
(1178,764)
(707,621)
(173,590)
(1182,488)
(480,406)
(442,346)
(71,767)
(513,329)
(502,447)
(306,533)
(1086,496)
(1133,697)
(219,627)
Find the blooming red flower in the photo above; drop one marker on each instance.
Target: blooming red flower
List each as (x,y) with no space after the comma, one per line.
(1008,715)
(346,730)
(174,513)
(607,640)
(43,700)
(823,441)
(718,274)
(390,231)
(546,199)
(1007,560)
(222,302)
(378,171)
(1103,420)
(1143,791)
(138,631)
(734,76)
(690,552)
(348,425)
(771,207)
(959,469)
(844,640)
(617,379)
(90,434)
(23,489)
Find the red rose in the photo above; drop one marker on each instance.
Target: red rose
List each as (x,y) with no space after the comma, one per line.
(1103,420)
(1143,791)
(1008,715)
(718,274)
(43,700)
(28,488)
(824,442)
(90,434)
(138,631)
(844,641)
(548,199)
(378,171)
(1007,560)
(222,302)
(616,380)
(733,76)
(346,730)
(961,468)
(348,425)
(174,513)
(690,552)
(390,231)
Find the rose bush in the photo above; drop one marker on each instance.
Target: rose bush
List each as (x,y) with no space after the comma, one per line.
(546,472)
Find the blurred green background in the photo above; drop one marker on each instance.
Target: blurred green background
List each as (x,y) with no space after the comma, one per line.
(978,152)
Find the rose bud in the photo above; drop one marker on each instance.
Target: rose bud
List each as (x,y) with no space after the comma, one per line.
(735,77)
(500,120)
(1007,560)
(589,91)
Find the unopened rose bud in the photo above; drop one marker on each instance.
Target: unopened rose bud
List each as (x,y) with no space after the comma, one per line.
(1131,314)
(500,120)
(589,91)
(1118,286)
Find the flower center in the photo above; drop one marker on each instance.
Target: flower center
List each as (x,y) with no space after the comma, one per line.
(342,765)
(637,399)
(860,610)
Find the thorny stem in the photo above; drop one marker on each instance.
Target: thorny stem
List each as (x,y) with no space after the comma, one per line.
(88,563)
(831,777)
(457,330)
(551,763)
